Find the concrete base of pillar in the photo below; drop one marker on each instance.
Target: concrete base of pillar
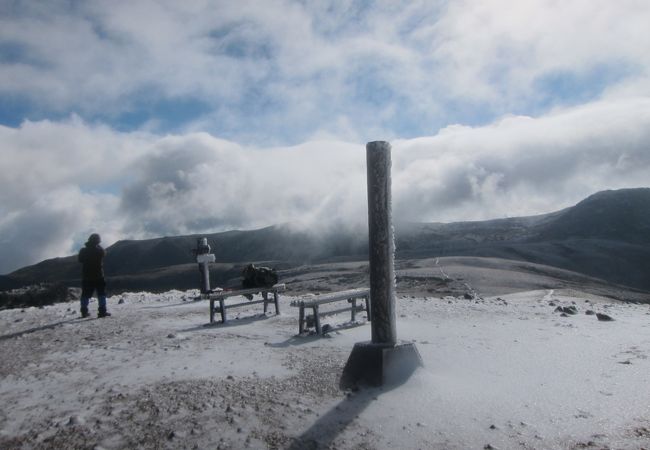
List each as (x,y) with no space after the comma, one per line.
(380,364)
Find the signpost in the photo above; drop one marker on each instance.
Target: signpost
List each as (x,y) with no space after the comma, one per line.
(204,257)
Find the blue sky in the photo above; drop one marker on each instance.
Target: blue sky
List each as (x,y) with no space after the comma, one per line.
(125,117)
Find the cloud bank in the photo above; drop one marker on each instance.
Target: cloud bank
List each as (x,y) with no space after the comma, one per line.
(287,71)
(159,117)
(58,178)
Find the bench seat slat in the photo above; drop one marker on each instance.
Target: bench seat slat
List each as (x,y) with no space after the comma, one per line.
(311,301)
(226,294)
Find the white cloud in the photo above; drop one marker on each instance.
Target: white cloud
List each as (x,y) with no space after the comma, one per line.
(197,183)
(523,166)
(53,224)
(563,87)
(286,70)
(497,50)
(43,156)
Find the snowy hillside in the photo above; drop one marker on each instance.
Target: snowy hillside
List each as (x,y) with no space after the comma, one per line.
(500,372)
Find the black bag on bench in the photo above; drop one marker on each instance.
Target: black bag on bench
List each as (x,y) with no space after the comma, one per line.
(258,277)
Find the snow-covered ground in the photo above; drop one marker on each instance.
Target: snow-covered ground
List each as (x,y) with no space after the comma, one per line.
(500,372)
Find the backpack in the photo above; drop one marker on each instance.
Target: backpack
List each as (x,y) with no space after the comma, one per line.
(258,276)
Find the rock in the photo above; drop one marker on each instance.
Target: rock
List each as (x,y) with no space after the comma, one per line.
(566,309)
(570,309)
(171,336)
(589,312)
(551,303)
(73,293)
(604,317)
(489,447)
(564,315)
(468,296)
(76,420)
(121,301)
(171,435)
(493,427)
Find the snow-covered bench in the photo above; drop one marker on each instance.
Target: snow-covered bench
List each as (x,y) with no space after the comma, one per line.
(219,295)
(315,301)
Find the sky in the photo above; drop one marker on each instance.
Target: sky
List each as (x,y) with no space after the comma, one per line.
(148,118)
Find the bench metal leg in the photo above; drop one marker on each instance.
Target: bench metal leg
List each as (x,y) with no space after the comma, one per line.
(368,309)
(301,320)
(354,309)
(276,300)
(265,296)
(211,311)
(317,320)
(222,305)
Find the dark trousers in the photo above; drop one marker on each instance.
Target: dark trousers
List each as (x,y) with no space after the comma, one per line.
(88,287)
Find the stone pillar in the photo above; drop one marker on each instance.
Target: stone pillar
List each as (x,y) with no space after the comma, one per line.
(383,360)
(381,243)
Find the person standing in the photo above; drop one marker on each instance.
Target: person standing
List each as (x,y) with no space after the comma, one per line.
(91,256)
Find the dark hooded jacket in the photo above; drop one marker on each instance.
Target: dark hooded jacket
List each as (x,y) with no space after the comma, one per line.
(92,259)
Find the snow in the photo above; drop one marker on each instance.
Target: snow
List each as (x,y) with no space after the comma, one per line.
(502,371)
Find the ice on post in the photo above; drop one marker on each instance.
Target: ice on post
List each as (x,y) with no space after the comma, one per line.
(383,360)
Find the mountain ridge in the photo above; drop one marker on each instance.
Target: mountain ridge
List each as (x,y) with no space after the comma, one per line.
(606,235)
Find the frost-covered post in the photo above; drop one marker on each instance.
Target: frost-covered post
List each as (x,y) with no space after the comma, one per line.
(381,243)
(204,257)
(383,360)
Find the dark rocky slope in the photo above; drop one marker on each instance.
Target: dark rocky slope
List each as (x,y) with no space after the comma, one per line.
(606,236)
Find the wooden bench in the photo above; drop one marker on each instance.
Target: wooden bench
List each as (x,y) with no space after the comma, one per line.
(314,302)
(221,296)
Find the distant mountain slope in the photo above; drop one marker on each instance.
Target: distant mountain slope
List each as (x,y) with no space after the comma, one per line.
(622,215)
(134,264)
(607,235)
